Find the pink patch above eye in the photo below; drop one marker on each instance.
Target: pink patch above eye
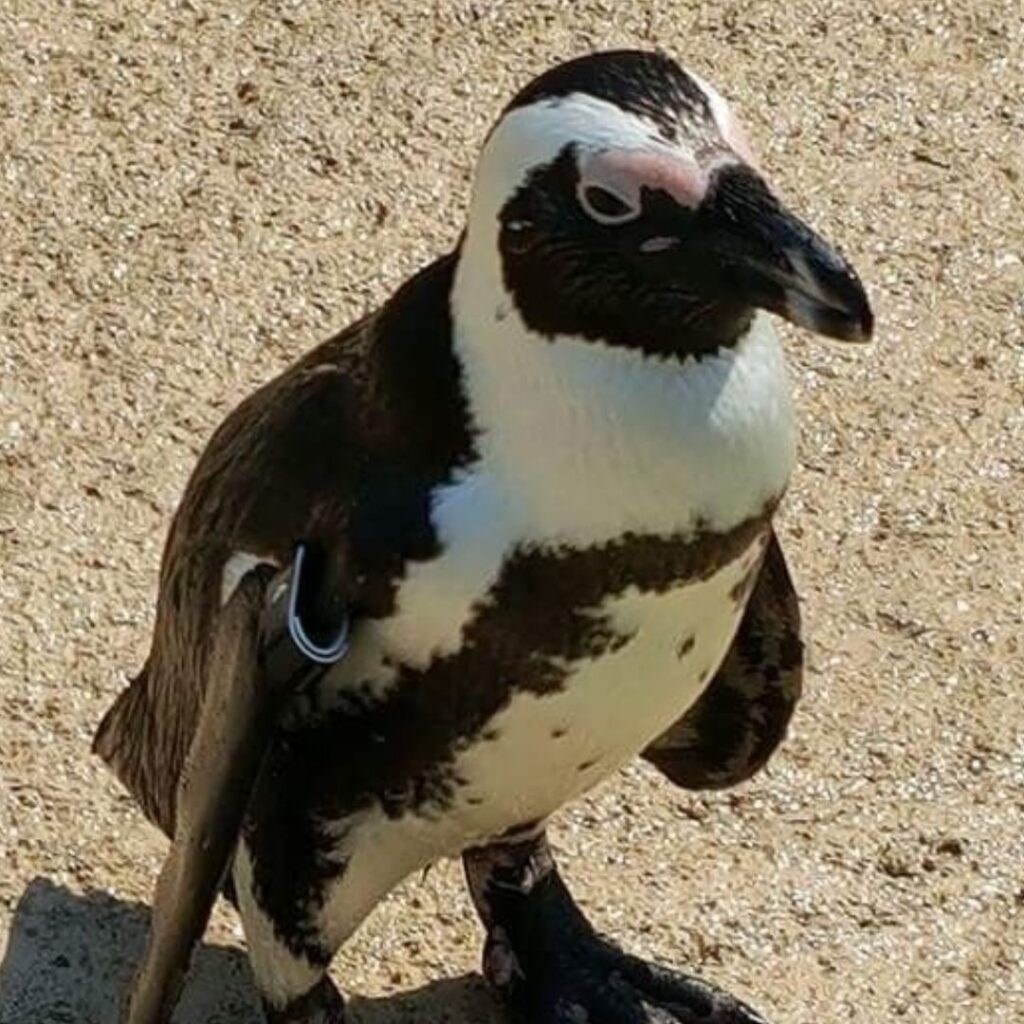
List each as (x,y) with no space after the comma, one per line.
(627,171)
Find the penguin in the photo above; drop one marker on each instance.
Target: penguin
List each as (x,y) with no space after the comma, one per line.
(542,476)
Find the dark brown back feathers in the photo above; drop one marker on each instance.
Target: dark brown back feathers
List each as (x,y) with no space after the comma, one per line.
(302,459)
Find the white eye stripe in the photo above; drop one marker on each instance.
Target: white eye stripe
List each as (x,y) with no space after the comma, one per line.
(617,208)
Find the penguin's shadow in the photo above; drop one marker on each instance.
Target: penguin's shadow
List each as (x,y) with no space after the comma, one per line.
(70,957)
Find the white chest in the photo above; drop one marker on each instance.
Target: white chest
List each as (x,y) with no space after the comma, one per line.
(580,444)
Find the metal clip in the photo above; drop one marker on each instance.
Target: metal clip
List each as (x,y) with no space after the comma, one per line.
(290,651)
(323,654)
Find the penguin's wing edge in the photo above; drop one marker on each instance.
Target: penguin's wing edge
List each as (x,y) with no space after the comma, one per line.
(742,716)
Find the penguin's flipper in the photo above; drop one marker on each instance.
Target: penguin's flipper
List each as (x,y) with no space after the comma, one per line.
(260,654)
(734,727)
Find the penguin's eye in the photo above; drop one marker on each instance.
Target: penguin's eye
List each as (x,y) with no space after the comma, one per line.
(605,206)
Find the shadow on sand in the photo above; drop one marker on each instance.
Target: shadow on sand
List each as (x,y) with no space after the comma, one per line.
(70,957)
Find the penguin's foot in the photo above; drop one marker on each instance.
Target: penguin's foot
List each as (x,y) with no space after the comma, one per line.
(551,967)
(322,1004)
(593,982)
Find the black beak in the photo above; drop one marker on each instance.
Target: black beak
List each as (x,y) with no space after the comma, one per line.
(752,247)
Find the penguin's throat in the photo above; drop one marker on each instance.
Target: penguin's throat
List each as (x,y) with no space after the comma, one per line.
(597,440)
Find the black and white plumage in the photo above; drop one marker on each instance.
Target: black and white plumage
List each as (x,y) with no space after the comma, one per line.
(543,474)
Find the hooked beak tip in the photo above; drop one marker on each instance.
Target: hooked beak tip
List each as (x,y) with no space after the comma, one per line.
(826,296)
(777,262)
(844,322)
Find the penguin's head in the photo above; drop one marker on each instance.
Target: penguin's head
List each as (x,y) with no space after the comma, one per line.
(623,202)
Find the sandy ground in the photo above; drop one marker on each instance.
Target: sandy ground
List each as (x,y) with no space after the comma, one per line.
(193,193)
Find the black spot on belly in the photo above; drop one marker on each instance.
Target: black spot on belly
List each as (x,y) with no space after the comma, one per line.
(584,765)
(685,646)
(557,734)
(740,591)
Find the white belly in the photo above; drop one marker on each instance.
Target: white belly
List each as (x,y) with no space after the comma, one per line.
(544,750)
(541,751)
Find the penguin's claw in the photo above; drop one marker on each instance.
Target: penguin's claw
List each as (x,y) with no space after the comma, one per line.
(593,982)
(671,995)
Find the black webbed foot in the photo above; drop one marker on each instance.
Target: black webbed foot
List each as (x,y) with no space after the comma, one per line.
(560,971)
(551,967)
